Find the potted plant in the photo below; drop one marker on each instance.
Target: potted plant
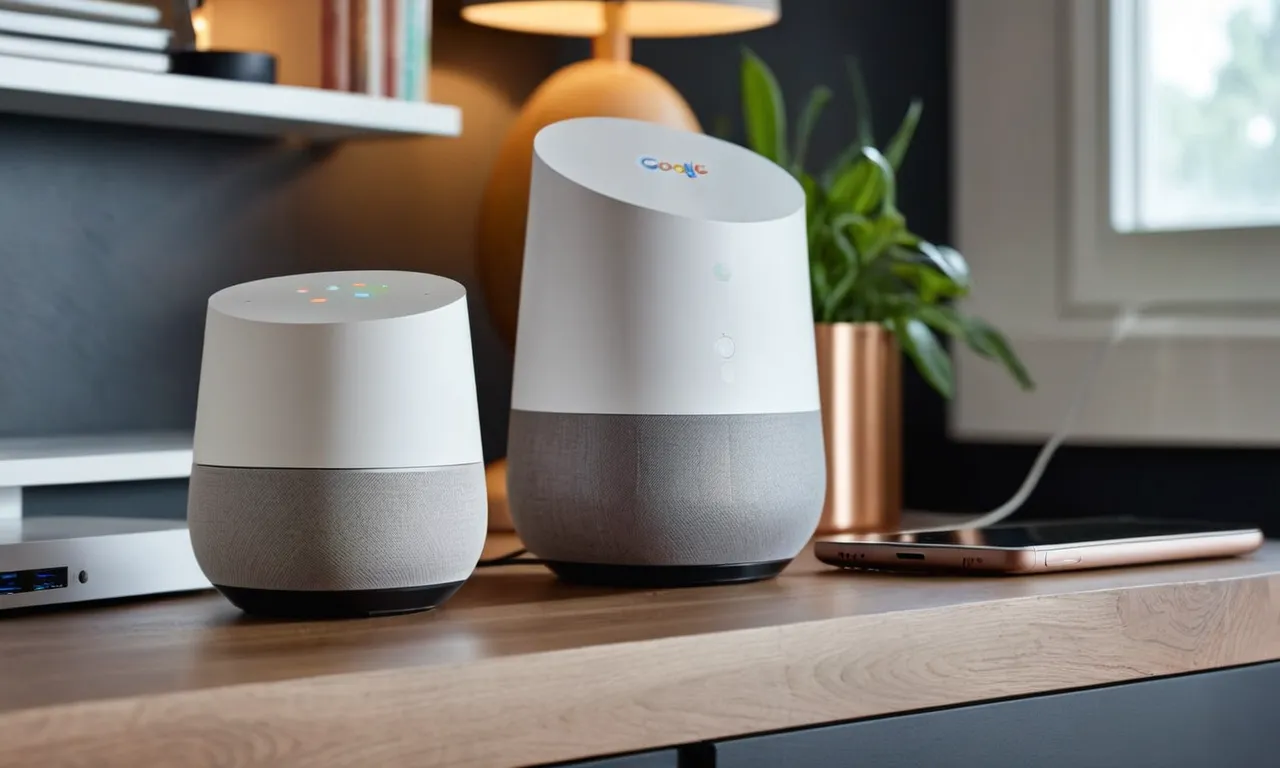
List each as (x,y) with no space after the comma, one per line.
(879,290)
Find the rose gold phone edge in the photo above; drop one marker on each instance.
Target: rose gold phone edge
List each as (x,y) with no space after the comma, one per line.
(1077,556)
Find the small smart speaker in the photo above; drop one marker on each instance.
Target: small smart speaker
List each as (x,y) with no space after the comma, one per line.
(665,425)
(337,462)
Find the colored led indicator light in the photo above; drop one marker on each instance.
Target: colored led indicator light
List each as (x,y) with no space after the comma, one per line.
(302,290)
(318,301)
(332,288)
(362,295)
(357,285)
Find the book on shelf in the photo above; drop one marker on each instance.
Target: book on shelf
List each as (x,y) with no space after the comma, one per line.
(142,13)
(378,47)
(335,53)
(42,25)
(77,53)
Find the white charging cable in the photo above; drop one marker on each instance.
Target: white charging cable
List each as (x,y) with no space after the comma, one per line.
(1120,329)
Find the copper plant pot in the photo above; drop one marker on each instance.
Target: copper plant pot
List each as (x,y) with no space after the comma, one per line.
(860,382)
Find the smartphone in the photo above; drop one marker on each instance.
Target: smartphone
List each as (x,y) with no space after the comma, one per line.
(1040,547)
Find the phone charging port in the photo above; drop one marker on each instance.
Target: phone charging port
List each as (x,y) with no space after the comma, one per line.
(910,556)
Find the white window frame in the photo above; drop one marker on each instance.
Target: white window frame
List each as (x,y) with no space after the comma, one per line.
(1031,199)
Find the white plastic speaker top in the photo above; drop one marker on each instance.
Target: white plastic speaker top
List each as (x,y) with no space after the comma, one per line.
(338,370)
(668,271)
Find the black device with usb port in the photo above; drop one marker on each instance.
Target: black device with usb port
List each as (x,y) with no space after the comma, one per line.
(34,580)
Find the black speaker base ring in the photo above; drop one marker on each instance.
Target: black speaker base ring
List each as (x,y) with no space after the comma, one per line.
(663,576)
(360,603)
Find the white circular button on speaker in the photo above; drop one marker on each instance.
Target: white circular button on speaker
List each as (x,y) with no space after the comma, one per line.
(725,347)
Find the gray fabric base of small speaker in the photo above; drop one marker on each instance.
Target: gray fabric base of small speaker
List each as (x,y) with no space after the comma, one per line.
(337,530)
(665,490)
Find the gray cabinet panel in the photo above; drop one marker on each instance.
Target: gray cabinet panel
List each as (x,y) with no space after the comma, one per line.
(1224,719)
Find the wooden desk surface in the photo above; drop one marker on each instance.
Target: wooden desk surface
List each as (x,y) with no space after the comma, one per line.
(521,669)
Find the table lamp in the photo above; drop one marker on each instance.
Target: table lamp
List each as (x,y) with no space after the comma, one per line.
(607,85)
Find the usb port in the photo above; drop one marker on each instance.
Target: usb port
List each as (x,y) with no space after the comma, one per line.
(35,580)
(50,578)
(910,556)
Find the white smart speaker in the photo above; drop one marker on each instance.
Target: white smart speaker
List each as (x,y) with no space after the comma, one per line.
(665,425)
(337,462)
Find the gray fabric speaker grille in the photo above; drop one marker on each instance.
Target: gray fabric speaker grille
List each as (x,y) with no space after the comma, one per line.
(665,490)
(329,529)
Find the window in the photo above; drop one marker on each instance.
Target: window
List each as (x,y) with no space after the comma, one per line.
(1195,112)
(1110,152)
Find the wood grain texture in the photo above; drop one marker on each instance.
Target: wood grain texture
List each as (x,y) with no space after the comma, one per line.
(519,669)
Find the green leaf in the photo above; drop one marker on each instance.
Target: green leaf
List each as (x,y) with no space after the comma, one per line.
(861,102)
(918,341)
(985,340)
(818,99)
(931,286)
(842,162)
(813,195)
(981,337)
(907,238)
(815,203)
(942,318)
(857,188)
(897,147)
(889,195)
(871,237)
(845,246)
(948,261)
(865,186)
(763,109)
(845,285)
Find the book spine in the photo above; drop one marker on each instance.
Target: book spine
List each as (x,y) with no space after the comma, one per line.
(404,43)
(328,48)
(105,10)
(390,61)
(342,44)
(99,55)
(415,50)
(422,60)
(374,57)
(356,47)
(53,27)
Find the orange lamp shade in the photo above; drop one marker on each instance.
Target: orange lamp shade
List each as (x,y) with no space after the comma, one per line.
(643,18)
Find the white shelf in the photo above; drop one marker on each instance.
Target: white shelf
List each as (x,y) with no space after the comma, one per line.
(27,462)
(80,92)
